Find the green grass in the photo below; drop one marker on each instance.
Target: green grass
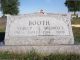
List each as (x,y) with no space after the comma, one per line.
(76,32)
(2,30)
(36,56)
(76,21)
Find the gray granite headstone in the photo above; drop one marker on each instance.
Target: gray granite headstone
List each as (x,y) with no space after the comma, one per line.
(39,30)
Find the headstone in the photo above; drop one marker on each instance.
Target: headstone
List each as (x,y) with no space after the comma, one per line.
(39,30)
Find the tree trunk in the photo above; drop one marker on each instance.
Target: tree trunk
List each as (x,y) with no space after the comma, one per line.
(75,14)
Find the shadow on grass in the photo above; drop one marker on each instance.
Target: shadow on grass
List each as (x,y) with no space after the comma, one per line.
(76,32)
(2,36)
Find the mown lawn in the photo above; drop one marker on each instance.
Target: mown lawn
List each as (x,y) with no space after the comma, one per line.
(2,30)
(76,21)
(36,56)
(76,30)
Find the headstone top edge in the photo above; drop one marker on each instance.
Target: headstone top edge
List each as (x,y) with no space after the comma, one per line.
(40,14)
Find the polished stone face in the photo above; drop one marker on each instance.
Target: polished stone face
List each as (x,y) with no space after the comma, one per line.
(33,29)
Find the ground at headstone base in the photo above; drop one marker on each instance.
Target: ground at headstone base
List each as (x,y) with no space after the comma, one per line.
(35,56)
